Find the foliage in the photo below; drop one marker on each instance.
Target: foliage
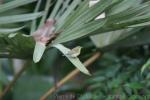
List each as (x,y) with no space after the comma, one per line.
(119,78)
(122,36)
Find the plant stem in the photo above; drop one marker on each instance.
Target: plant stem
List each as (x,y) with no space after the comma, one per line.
(9,86)
(70,76)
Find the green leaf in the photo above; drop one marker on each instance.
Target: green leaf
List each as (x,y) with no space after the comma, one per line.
(124,5)
(80,31)
(74,60)
(33,25)
(137,38)
(19,18)
(105,39)
(16,45)
(9,30)
(131,12)
(135,85)
(92,12)
(67,12)
(146,65)
(47,6)
(56,8)
(140,25)
(88,14)
(75,13)
(14,4)
(80,28)
(38,52)
(14,12)
(65,6)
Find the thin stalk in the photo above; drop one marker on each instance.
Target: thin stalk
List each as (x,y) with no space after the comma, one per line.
(70,76)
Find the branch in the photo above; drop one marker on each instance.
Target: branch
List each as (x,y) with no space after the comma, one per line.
(70,76)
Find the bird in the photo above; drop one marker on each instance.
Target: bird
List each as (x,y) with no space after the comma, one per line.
(75,52)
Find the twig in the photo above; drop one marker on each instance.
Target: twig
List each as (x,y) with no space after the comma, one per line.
(70,76)
(9,86)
